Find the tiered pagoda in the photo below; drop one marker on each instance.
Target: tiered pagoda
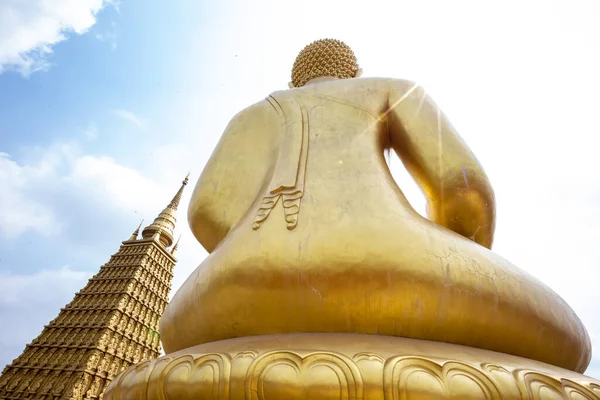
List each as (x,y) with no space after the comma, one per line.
(111,324)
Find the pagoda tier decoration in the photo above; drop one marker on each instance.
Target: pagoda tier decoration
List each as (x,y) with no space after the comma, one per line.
(110,325)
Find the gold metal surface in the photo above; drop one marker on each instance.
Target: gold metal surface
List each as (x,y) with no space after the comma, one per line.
(324,283)
(109,325)
(343,251)
(346,366)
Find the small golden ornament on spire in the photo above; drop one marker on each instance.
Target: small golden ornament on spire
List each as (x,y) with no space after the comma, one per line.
(174,249)
(325,57)
(136,233)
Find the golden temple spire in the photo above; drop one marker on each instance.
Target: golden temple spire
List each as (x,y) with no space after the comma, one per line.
(174,249)
(136,233)
(163,226)
(175,202)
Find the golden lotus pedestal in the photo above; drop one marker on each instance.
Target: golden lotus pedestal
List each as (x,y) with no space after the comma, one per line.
(319,366)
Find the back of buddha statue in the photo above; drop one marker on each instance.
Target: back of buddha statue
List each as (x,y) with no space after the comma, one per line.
(319,268)
(316,155)
(308,232)
(310,156)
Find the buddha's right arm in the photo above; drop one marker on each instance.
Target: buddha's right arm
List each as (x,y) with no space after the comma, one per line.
(459,194)
(235,174)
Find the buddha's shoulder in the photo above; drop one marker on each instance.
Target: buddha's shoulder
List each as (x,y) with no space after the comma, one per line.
(266,108)
(382,85)
(386,85)
(255,112)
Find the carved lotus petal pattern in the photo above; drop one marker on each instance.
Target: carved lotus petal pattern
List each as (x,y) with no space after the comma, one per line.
(292,375)
(318,375)
(406,378)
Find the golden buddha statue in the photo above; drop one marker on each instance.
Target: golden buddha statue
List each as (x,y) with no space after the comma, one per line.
(323,282)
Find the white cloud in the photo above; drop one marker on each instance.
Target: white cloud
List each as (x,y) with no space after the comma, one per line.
(18,211)
(109,36)
(116,4)
(122,186)
(91,132)
(130,117)
(25,188)
(37,288)
(29,29)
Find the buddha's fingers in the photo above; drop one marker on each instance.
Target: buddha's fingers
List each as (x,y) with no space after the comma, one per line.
(291,208)
(267,205)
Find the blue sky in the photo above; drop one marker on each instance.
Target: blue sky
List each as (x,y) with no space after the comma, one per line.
(105,106)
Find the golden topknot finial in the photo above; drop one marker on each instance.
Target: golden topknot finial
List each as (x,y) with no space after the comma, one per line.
(325,57)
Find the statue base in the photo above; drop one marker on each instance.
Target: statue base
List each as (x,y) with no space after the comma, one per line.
(319,366)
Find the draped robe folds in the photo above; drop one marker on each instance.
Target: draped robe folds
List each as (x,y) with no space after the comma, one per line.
(288,178)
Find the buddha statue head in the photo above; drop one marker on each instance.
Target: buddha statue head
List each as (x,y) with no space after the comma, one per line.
(324,58)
